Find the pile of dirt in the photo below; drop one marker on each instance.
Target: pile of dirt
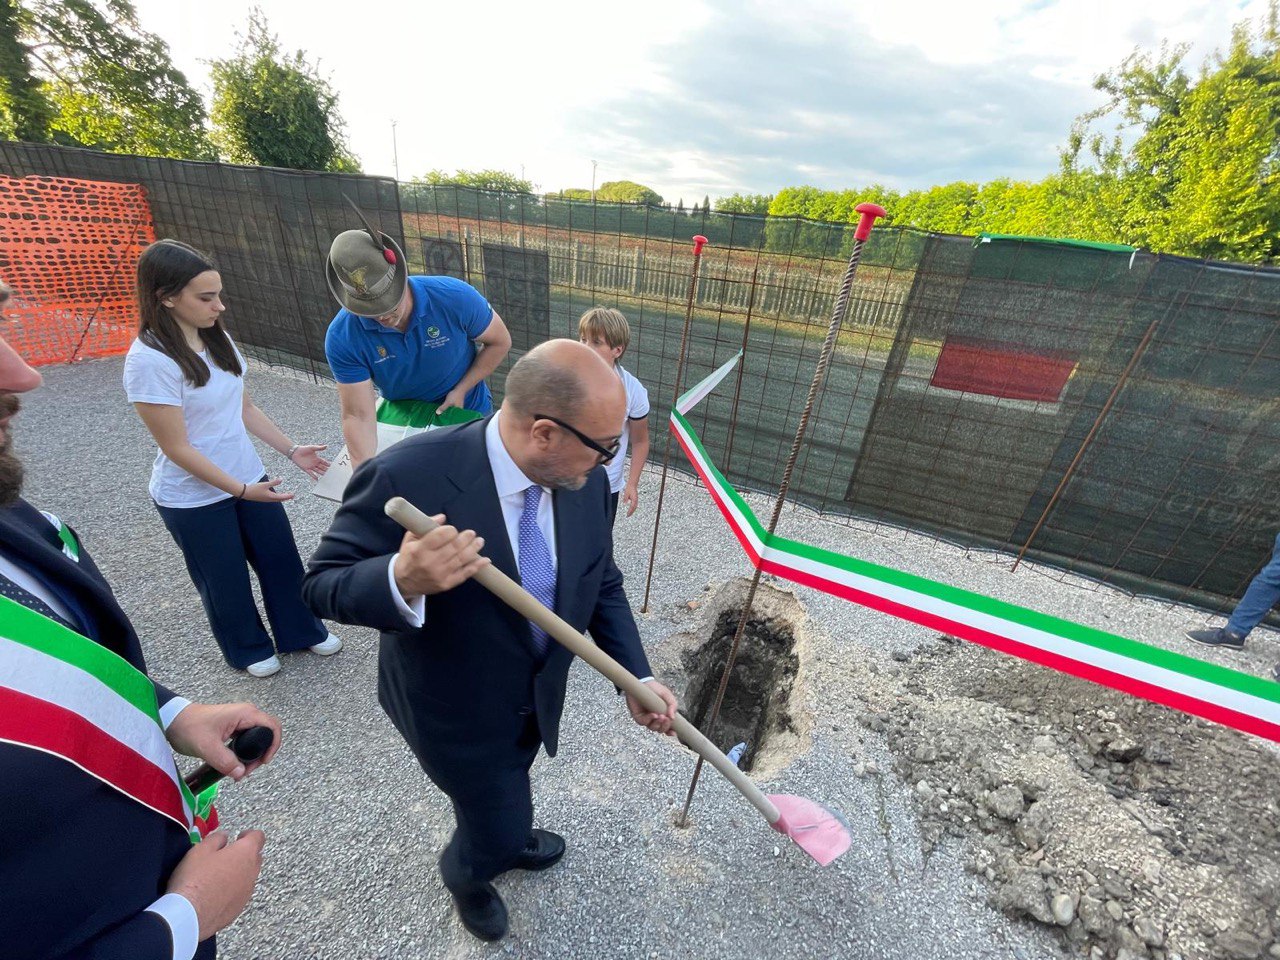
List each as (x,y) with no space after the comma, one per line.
(1135,830)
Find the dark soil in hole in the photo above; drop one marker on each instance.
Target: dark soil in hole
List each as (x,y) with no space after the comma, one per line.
(757,701)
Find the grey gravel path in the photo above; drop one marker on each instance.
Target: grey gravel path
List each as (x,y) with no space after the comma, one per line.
(353,826)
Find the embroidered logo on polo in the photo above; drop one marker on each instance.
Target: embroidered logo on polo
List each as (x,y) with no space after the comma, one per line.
(434,339)
(383,355)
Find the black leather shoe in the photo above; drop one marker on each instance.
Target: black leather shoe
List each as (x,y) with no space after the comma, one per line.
(482,912)
(1216,638)
(543,850)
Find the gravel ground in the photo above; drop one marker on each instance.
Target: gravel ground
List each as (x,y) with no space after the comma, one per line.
(354,827)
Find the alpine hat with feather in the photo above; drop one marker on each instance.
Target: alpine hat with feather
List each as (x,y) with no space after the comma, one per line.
(366,270)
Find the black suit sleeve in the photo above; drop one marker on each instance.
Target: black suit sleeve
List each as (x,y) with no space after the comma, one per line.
(163,694)
(145,936)
(346,579)
(613,626)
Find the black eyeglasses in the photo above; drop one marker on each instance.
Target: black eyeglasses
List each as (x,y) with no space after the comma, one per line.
(606,453)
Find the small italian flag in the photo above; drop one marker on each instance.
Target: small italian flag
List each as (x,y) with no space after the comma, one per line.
(1235,699)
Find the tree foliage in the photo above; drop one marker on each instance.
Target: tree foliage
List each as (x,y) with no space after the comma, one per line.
(1194,163)
(627,191)
(480,179)
(276,110)
(757,203)
(25,111)
(111,84)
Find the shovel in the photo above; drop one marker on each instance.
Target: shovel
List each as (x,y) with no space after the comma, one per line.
(816,830)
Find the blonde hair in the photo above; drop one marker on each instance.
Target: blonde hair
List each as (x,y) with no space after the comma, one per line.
(608,324)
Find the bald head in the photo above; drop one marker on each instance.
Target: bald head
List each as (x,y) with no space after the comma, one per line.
(563,406)
(562,378)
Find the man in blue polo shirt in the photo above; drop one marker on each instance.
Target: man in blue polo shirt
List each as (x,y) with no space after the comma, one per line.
(413,338)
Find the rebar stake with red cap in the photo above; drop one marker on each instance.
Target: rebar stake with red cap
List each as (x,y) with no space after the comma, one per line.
(868,213)
(698,243)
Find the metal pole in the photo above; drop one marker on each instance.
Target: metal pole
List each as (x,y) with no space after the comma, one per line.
(115,269)
(737,390)
(395,152)
(869,213)
(698,243)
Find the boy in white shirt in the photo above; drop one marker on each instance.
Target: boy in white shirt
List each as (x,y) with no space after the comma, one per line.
(607,332)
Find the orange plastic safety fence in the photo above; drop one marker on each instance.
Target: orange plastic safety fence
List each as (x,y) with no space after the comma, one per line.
(69,249)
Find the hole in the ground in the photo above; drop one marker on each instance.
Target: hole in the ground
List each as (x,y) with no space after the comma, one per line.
(757,701)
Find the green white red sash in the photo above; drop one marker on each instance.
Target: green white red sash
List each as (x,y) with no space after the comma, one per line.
(63,694)
(1206,690)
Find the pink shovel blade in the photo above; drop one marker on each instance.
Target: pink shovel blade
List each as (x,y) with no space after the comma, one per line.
(817,830)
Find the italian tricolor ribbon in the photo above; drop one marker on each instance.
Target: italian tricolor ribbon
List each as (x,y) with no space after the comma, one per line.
(63,694)
(1207,690)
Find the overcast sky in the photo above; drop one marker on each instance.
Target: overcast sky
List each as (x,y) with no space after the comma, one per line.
(695,97)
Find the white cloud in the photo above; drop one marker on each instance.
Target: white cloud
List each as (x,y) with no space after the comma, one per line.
(711,96)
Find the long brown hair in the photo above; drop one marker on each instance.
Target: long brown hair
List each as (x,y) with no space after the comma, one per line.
(164,269)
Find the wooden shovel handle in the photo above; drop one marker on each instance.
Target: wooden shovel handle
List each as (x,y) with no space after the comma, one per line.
(518,598)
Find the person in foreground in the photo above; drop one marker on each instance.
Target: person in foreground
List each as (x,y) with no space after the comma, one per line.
(97,860)
(473,687)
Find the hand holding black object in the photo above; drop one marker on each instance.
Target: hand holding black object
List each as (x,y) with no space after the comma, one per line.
(248,745)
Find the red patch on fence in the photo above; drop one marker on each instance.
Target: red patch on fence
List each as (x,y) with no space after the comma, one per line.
(1001,369)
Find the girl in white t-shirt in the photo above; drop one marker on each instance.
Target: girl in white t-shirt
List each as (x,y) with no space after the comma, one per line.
(186,379)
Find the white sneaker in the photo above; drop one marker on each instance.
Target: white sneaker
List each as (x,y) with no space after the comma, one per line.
(327,647)
(264,668)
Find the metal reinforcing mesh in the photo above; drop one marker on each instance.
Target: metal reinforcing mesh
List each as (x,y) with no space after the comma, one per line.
(1107,412)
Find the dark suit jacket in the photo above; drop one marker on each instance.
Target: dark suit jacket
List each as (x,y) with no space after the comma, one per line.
(464,685)
(79,861)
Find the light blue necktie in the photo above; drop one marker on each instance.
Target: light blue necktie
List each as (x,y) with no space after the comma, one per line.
(537,572)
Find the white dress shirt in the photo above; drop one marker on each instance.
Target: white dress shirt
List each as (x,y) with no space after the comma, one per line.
(512,483)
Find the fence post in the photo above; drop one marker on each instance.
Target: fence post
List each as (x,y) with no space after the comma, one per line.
(637,264)
(1093,430)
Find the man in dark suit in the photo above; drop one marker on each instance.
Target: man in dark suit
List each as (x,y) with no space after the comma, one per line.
(91,865)
(473,687)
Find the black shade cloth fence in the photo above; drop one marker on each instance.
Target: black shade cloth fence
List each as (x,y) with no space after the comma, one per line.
(1108,412)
